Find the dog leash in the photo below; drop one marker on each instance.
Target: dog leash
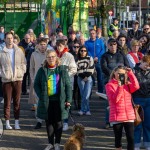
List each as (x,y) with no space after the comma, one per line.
(71,117)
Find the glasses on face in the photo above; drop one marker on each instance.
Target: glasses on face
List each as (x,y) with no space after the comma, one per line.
(50,57)
(76,46)
(113,44)
(146,29)
(83,50)
(92,33)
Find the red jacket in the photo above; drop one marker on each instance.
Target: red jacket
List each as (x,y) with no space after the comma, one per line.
(120,99)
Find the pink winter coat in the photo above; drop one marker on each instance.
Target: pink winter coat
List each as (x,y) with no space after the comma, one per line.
(120,99)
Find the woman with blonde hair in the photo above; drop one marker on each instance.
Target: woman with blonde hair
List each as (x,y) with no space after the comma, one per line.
(53,88)
(119,89)
(134,56)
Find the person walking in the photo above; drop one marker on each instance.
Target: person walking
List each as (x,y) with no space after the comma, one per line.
(28,49)
(68,60)
(85,68)
(142,97)
(53,88)
(96,49)
(119,90)
(37,58)
(12,68)
(112,58)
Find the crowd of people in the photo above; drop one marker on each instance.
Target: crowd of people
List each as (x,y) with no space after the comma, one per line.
(61,70)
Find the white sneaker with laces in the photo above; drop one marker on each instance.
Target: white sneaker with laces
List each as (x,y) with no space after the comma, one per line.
(49,147)
(65,127)
(17,127)
(2,102)
(8,127)
(57,146)
(88,113)
(80,113)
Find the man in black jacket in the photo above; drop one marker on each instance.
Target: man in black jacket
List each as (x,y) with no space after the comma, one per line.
(112,58)
(29,48)
(134,33)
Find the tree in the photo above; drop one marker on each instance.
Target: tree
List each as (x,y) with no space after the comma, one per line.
(103,6)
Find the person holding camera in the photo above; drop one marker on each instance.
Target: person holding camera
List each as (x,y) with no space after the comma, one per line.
(121,85)
(142,97)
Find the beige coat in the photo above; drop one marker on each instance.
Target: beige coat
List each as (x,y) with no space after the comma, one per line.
(6,71)
(68,60)
(36,60)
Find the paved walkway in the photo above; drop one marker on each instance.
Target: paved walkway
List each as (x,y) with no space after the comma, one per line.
(28,138)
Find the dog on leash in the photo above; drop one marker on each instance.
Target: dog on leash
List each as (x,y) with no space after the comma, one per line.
(76,140)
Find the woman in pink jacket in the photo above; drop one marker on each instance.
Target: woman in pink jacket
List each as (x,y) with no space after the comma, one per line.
(122,83)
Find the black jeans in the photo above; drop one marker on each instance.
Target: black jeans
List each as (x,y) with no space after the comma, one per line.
(54,122)
(24,82)
(76,94)
(129,129)
(1,89)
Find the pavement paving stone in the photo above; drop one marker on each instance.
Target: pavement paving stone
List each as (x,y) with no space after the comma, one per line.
(97,138)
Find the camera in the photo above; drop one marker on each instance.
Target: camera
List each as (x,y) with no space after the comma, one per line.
(122,78)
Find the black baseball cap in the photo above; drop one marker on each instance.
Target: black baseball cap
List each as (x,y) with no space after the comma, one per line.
(112,40)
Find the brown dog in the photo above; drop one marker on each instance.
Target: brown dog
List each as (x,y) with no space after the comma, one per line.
(76,140)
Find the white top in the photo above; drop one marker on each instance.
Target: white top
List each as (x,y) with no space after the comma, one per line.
(131,60)
(11,52)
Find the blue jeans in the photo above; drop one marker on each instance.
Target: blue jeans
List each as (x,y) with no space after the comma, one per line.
(144,127)
(85,91)
(100,82)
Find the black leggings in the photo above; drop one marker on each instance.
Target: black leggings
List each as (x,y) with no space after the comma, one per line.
(129,129)
(54,123)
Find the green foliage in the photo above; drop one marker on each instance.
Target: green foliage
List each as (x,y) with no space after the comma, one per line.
(12,1)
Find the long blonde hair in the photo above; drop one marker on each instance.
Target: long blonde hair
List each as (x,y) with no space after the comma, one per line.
(57,58)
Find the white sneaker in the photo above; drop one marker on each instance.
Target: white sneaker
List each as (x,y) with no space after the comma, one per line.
(136,148)
(49,147)
(8,127)
(88,113)
(57,146)
(17,127)
(80,113)
(65,127)
(2,102)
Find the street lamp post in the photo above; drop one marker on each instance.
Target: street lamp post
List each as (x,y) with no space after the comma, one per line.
(140,13)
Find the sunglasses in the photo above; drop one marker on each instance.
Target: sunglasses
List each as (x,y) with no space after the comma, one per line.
(113,44)
(83,51)
(146,29)
(76,46)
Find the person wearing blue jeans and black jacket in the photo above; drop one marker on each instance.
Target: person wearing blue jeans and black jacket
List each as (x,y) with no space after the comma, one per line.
(96,49)
(142,97)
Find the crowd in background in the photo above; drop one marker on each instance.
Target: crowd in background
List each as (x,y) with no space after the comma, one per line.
(37,62)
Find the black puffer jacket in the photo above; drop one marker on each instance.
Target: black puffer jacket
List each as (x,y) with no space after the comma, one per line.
(144,82)
(109,61)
